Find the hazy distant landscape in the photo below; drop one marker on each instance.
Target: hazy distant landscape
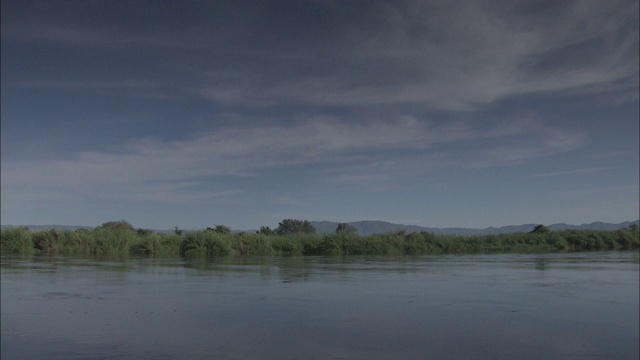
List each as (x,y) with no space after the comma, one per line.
(369,227)
(379,227)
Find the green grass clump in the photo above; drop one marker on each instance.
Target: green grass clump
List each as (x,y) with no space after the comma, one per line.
(205,242)
(286,244)
(113,241)
(252,244)
(351,244)
(17,240)
(149,243)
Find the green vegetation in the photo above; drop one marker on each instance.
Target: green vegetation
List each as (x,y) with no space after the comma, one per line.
(295,237)
(345,229)
(291,226)
(540,229)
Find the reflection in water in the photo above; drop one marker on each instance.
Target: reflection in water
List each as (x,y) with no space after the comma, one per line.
(541,263)
(552,306)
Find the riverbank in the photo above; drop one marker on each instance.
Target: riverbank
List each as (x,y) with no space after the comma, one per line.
(123,241)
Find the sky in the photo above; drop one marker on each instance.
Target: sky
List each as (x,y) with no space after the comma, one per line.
(244,113)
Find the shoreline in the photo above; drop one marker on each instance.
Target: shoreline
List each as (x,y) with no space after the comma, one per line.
(124,241)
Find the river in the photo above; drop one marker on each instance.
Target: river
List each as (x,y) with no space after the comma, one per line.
(503,306)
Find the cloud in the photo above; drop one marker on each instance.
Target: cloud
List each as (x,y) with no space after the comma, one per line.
(86,84)
(378,152)
(437,54)
(97,37)
(136,88)
(580,171)
(455,56)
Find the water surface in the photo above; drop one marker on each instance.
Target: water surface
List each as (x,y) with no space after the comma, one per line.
(551,306)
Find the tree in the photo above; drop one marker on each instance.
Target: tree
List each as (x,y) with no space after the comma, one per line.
(265,230)
(143,232)
(220,229)
(540,229)
(344,228)
(291,226)
(118,225)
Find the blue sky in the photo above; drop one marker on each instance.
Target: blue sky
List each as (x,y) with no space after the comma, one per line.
(434,113)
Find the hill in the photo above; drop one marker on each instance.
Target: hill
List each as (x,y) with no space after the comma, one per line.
(378,227)
(49,227)
(368,227)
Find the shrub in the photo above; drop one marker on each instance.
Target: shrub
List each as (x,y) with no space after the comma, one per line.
(113,240)
(47,241)
(329,245)
(540,229)
(287,245)
(244,244)
(220,229)
(265,230)
(291,226)
(205,243)
(16,240)
(117,225)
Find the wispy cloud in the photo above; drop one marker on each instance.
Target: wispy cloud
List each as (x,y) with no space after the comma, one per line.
(580,171)
(452,56)
(96,37)
(85,84)
(155,169)
(437,54)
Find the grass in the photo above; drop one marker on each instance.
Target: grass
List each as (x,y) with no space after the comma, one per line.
(124,240)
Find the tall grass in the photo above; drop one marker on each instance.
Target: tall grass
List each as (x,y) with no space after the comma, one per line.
(205,243)
(123,240)
(149,243)
(16,240)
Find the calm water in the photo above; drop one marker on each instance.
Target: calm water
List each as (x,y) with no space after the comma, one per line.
(550,306)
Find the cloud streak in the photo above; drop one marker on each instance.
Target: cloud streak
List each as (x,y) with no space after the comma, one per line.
(436,54)
(451,56)
(169,171)
(580,171)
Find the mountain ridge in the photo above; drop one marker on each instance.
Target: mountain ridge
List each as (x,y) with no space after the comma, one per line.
(370,227)
(376,227)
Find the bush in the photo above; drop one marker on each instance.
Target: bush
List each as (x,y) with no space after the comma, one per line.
(291,226)
(205,243)
(540,229)
(244,244)
(16,240)
(113,240)
(157,244)
(287,245)
(329,245)
(118,226)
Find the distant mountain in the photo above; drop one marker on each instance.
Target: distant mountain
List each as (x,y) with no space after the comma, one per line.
(49,227)
(378,227)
